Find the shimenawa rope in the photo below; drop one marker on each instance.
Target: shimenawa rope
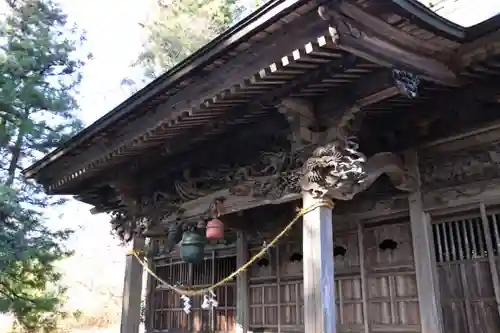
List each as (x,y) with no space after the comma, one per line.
(202,291)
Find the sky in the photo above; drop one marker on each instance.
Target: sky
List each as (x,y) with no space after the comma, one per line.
(114,37)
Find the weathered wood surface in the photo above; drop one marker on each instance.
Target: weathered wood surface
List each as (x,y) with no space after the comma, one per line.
(425,258)
(276,291)
(379,44)
(467,287)
(242,301)
(132,290)
(320,313)
(458,171)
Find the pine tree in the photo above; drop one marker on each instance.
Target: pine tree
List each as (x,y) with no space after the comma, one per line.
(38,77)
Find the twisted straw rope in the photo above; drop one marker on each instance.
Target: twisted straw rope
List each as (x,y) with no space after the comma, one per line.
(190,292)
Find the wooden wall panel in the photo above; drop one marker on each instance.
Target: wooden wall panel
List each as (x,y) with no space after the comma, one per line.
(390,297)
(292,305)
(349,304)
(392,291)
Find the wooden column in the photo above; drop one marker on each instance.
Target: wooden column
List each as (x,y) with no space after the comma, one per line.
(242,305)
(364,278)
(319,283)
(150,288)
(491,257)
(132,290)
(425,258)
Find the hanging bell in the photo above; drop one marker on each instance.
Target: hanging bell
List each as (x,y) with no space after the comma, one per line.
(215,229)
(192,247)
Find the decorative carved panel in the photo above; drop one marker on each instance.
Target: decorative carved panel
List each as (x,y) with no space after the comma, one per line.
(457,168)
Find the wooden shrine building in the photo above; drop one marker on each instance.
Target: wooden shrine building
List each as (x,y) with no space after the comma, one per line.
(383,108)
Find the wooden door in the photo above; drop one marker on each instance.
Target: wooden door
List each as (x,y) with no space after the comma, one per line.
(465,279)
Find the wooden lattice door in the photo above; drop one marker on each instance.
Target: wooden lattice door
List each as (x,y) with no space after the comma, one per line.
(465,274)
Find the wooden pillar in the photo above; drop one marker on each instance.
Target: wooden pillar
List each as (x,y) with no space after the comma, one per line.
(425,259)
(150,288)
(319,282)
(491,258)
(242,305)
(364,278)
(132,290)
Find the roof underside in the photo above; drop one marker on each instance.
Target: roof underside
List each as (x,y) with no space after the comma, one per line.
(281,50)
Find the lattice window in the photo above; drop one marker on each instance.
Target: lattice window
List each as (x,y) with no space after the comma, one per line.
(465,239)
(168,311)
(225,314)
(465,272)
(167,305)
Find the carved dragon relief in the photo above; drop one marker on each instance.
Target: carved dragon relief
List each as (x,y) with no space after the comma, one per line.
(339,171)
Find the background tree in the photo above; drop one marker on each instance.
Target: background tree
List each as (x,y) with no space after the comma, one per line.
(38,77)
(177,28)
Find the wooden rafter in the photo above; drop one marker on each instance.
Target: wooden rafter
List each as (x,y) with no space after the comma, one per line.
(240,110)
(378,42)
(184,103)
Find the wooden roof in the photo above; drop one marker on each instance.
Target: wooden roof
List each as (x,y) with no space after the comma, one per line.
(281,50)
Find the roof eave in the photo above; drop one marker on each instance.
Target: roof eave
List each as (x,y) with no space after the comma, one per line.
(265,15)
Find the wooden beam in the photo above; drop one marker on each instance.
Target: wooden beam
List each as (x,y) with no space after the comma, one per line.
(319,281)
(362,91)
(478,50)
(448,123)
(425,259)
(391,33)
(377,47)
(475,137)
(132,290)
(372,89)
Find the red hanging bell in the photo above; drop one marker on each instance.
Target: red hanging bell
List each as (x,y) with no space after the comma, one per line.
(215,229)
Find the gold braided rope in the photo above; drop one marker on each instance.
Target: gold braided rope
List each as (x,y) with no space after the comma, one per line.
(190,292)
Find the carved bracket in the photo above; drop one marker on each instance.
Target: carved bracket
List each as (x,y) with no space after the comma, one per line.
(406,82)
(338,170)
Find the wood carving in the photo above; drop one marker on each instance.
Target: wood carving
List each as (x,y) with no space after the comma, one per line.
(465,166)
(406,82)
(334,170)
(338,170)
